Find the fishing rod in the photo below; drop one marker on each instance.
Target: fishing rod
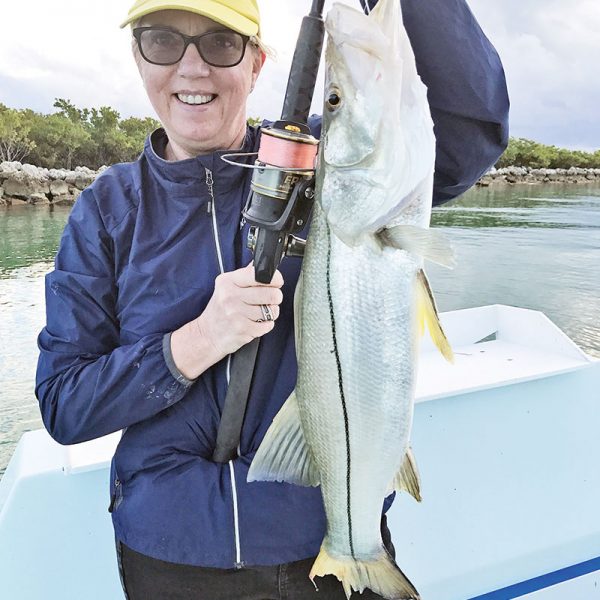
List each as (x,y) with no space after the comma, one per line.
(279,206)
(282,188)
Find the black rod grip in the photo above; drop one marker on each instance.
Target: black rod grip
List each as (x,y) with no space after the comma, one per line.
(236,400)
(303,74)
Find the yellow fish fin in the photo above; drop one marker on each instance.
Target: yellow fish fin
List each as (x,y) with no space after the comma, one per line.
(427,314)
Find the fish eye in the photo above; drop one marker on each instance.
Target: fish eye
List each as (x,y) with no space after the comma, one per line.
(334,100)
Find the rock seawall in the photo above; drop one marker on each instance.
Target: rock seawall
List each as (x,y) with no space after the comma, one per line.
(512,175)
(27,184)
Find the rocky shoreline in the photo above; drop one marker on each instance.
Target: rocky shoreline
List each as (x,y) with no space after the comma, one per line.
(27,184)
(513,175)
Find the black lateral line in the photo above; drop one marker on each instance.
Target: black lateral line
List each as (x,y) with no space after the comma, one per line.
(341,386)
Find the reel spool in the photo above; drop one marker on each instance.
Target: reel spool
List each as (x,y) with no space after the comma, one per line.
(282,194)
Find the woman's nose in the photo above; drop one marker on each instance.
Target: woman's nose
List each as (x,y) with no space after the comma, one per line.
(192,64)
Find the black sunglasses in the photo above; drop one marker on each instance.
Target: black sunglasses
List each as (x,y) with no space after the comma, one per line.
(164,46)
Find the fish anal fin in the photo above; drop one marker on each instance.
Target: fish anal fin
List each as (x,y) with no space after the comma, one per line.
(407,478)
(380,574)
(283,454)
(428,314)
(424,242)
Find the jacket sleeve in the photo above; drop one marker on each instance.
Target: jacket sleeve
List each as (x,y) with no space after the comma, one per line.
(467,91)
(87,384)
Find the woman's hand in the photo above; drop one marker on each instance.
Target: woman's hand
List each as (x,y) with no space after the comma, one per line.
(231,320)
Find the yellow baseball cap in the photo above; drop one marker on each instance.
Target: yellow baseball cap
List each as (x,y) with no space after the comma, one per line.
(240,15)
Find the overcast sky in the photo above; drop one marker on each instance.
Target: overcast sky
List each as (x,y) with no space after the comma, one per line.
(74,49)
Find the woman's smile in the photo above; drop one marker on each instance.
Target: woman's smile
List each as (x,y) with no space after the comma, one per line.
(195,99)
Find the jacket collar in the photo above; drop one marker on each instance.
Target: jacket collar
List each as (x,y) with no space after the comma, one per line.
(193,170)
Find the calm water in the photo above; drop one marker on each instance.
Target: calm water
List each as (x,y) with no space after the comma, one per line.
(535,247)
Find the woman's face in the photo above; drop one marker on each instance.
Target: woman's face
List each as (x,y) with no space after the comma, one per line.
(192,129)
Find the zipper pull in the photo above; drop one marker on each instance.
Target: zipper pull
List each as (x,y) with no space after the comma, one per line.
(210,186)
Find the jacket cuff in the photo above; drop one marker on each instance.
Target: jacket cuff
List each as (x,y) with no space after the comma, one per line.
(177,374)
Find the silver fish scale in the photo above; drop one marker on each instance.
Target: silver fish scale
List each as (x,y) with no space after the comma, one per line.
(368,367)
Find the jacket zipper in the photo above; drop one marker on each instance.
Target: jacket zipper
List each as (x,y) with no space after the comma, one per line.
(212,210)
(116,497)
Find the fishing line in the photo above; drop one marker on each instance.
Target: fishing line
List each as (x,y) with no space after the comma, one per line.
(341,386)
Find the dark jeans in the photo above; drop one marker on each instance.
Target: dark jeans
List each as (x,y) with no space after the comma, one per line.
(146,578)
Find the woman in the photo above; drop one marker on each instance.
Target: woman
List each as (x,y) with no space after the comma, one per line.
(153,290)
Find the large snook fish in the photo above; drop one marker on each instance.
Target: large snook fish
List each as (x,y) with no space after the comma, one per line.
(361,299)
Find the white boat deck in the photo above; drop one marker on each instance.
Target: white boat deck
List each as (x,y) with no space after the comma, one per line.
(507,445)
(525,346)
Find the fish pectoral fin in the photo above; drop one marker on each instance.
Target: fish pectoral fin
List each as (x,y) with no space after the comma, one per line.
(380,575)
(428,314)
(421,241)
(407,478)
(284,454)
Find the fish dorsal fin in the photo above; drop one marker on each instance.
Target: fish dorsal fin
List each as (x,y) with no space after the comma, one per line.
(283,454)
(407,478)
(427,243)
(428,315)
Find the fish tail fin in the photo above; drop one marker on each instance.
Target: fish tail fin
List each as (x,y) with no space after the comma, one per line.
(382,575)
(428,314)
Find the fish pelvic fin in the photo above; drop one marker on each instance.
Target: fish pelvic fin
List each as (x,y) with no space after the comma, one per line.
(421,241)
(284,454)
(381,575)
(407,479)
(428,315)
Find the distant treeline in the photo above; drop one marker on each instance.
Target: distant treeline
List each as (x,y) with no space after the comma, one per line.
(527,153)
(93,137)
(71,137)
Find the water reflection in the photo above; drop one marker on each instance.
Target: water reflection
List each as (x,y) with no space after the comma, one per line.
(560,207)
(22,306)
(531,246)
(29,235)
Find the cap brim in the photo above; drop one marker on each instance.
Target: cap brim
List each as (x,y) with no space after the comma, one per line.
(213,10)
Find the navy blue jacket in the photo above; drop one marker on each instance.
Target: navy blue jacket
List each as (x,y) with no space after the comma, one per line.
(138,259)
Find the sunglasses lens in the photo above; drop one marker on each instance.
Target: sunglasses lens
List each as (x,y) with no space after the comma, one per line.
(161,47)
(217,48)
(222,48)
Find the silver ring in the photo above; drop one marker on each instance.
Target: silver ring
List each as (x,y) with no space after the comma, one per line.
(267,314)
